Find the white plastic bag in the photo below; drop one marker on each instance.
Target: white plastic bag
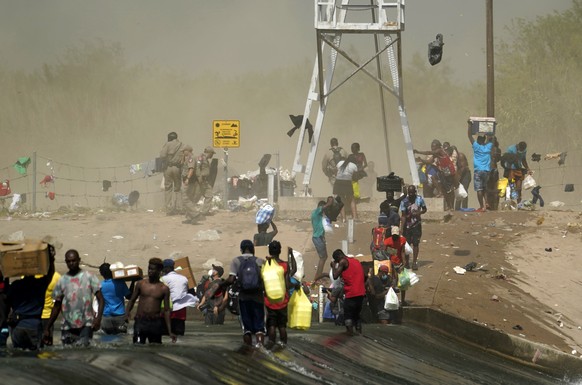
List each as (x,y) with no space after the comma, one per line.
(413,278)
(326,224)
(391,301)
(300,273)
(528,182)
(408,249)
(460,192)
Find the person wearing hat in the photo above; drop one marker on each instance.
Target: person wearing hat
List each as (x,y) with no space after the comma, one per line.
(199,186)
(215,298)
(171,155)
(189,182)
(179,296)
(377,286)
(398,257)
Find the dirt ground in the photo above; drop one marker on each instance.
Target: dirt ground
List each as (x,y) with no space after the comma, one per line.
(522,289)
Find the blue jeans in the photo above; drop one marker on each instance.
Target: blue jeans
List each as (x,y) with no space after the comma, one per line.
(320,246)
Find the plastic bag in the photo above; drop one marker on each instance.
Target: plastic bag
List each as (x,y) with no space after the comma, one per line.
(300,310)
(528,182)
(404,279)
(356,187)
(326,224)
(265,214)
(391,300)
(460,192)
(300,273)
(413,278)
(408,249)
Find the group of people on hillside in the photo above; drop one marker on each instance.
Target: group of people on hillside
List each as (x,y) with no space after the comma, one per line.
(445,168)
(187,179)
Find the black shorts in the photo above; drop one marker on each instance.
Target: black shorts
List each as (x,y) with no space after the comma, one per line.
(148,329)
(277,318)
(413,235)
(353,308)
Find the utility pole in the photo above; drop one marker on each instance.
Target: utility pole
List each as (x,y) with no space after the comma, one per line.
(490,65)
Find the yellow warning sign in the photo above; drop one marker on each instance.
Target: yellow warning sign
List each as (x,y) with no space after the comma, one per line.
(226,133)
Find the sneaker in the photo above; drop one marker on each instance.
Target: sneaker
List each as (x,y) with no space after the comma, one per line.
(415,266)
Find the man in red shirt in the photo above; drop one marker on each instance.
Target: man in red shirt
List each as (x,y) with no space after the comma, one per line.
(398,257)
(352,273)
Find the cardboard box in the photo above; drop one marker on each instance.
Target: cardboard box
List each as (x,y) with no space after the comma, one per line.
(182,267)
(24,258)
(183,262)
(187,272)
(483,126)
(128,273)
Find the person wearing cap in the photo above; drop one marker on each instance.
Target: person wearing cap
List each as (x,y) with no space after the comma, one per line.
(171,155)
(251,301)
(215,298)
(377,286)
(179,296)
(203,187)
(189,181)
(398,257)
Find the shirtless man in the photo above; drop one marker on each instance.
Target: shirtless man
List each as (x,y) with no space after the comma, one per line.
(151,292)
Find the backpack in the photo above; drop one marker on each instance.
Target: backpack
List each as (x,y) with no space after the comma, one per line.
(249,275)
(331,168)
(378,235)
(202,287)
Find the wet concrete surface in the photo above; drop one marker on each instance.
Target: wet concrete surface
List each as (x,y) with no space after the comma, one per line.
(384,354)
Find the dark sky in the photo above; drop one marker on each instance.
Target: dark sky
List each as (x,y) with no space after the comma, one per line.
(235,36)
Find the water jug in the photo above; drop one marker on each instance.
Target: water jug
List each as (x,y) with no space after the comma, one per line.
(274,280)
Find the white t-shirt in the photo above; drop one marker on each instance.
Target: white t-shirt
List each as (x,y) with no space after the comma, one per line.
(347,173)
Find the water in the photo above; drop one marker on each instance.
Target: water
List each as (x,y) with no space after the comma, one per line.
(386,354)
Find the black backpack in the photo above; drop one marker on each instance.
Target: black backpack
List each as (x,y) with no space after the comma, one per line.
(332,164)
(249,275)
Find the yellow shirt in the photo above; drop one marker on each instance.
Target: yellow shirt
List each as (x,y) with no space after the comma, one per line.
(48,297)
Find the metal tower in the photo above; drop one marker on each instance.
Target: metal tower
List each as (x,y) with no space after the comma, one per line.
(387,23)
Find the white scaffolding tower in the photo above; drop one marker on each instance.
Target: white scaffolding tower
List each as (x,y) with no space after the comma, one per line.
(387,23)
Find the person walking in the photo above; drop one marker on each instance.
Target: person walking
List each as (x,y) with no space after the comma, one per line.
(73,295)
(352,274)
(203,187)
(331,159)
(481,166)
(115,292)
(171,155)
(411,208)
(189,182)
(318,237)
(246,269)
(26,298)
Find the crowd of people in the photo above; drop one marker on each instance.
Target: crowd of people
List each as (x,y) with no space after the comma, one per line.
(30,306)
(445,169)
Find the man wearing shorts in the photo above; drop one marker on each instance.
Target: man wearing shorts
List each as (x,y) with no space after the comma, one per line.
(277,312)
(152,293)
(481,165)
(352,274)
(411,208)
